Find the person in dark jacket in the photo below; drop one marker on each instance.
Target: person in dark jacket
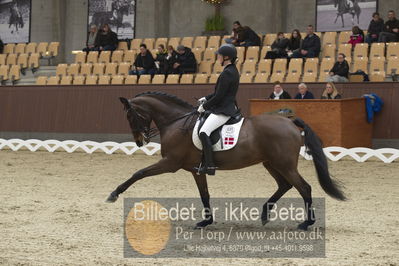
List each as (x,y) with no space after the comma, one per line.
(251,38)
(310,45)
(331,92)
(1,46)
(278,92)
(160,60)
(237,34)
(391,29)
(340,70)
(295,42)
(170,59)
(376,26)
(279,47)
(106,39)
(185,61)
(303,92)
(221,103)
(144,63)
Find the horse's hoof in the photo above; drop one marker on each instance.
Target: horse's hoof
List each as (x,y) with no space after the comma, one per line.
(112,198)
(264,221)
(203,224)
(303,226)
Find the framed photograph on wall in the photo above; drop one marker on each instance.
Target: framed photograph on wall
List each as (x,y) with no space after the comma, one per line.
(342,15)
(120,15)
(15,21)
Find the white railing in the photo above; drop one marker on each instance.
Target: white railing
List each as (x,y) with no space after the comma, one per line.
(333,153)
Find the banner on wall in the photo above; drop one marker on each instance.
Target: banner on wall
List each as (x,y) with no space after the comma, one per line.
(118,14)
(15,21)
(342,15)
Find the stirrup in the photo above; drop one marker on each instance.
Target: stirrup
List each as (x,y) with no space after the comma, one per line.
(205,170)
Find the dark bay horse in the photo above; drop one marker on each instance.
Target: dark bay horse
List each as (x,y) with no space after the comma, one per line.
(272,140)
(343,8)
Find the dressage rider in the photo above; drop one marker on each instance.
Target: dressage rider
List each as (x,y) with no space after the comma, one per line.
(221,103)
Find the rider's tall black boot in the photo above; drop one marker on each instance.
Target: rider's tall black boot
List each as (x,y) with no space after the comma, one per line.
(208,166)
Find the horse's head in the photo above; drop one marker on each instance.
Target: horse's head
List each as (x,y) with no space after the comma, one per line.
(139,121)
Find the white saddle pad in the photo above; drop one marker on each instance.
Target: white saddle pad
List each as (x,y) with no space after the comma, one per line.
(228,140)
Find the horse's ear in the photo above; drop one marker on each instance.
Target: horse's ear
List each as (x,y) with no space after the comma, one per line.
(125,103)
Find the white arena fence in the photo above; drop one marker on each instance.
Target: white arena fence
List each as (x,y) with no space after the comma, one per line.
(386,155)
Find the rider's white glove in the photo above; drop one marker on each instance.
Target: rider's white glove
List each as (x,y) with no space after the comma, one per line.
(201,109)
(202,100)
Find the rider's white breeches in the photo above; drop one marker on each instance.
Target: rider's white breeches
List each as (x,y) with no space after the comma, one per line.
(213,122)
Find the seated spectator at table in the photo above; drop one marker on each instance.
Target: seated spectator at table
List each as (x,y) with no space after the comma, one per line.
(1,46)
(251,38)
(303,92)
(279,47)
(185,61)
(391,29)
(340,70)
(310,45)
(170,59)
(376,26)
(278,92)
(161,62)
(106,39)
(237,35)
(91,39)
(294,42)
(331,92)
(144,63)
(356,37)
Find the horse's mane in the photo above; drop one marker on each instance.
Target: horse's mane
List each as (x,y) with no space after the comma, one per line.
(170,97)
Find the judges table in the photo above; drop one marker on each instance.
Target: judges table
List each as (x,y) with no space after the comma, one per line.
(337,122)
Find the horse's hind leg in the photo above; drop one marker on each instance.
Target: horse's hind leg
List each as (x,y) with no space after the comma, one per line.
(283,187)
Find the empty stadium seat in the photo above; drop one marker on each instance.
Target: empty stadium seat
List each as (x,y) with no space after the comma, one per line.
(329,51)
(249,67)
(377,64)
(158,79)
(360,63)
(79,80)
(91,80)
(144,79)
(41,80)
(200,42)
(9,48)
(130,56)
(213,78)
(92,57)
(309,77)
(280,65)
(172,79)
(111,69)
(53,48)
(377,50)
(33,61)
(361,50)
(217,68)
(240,54)
(325,67)
(187,42)
(293,77)
(329,38)
(105,57)
(269,39)
(205,67)
(346,49)
(42,48)
(20,48)
(393,65)
(31,48)
(80,58)
(174,42)
(295,66)
(149,42)
(311,66)
(66,80)
(122,46)
(265,66)
(198,53)
(98,69)
(124,69)
(201,78)
(186,79)
(214,42)
(23,61)
(344,37)
(3,73)
(246,78)
(252,53)
(277,77)
(73,69)
(264,51)
(135,44)
(104,80)
(377,76)
(85,69)
(54,80)
(393,49)
(131,79)
(209,55)
(261,77)
(117,56)
(61,70)
(163,41)
(11,59)
(117,80)
(3,58)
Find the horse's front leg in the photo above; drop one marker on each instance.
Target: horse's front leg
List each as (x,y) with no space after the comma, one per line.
(161,167)
(202,185)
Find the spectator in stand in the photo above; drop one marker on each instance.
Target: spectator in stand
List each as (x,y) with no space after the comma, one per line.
(356,37)
(91,39)
(376,26)
(106,39)
(340,70)
(1,46)
(251,38)
(303,92)
(391,29)
(170,59)
(237,34)
(185,61)
(331,92)
(278,92)
(161,61)
(294,42)
(310,46)
(144,63)
(279,47)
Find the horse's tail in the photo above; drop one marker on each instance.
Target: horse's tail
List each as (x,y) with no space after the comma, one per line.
(314,146)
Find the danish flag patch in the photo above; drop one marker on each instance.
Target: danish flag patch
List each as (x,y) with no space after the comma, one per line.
(228,141)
